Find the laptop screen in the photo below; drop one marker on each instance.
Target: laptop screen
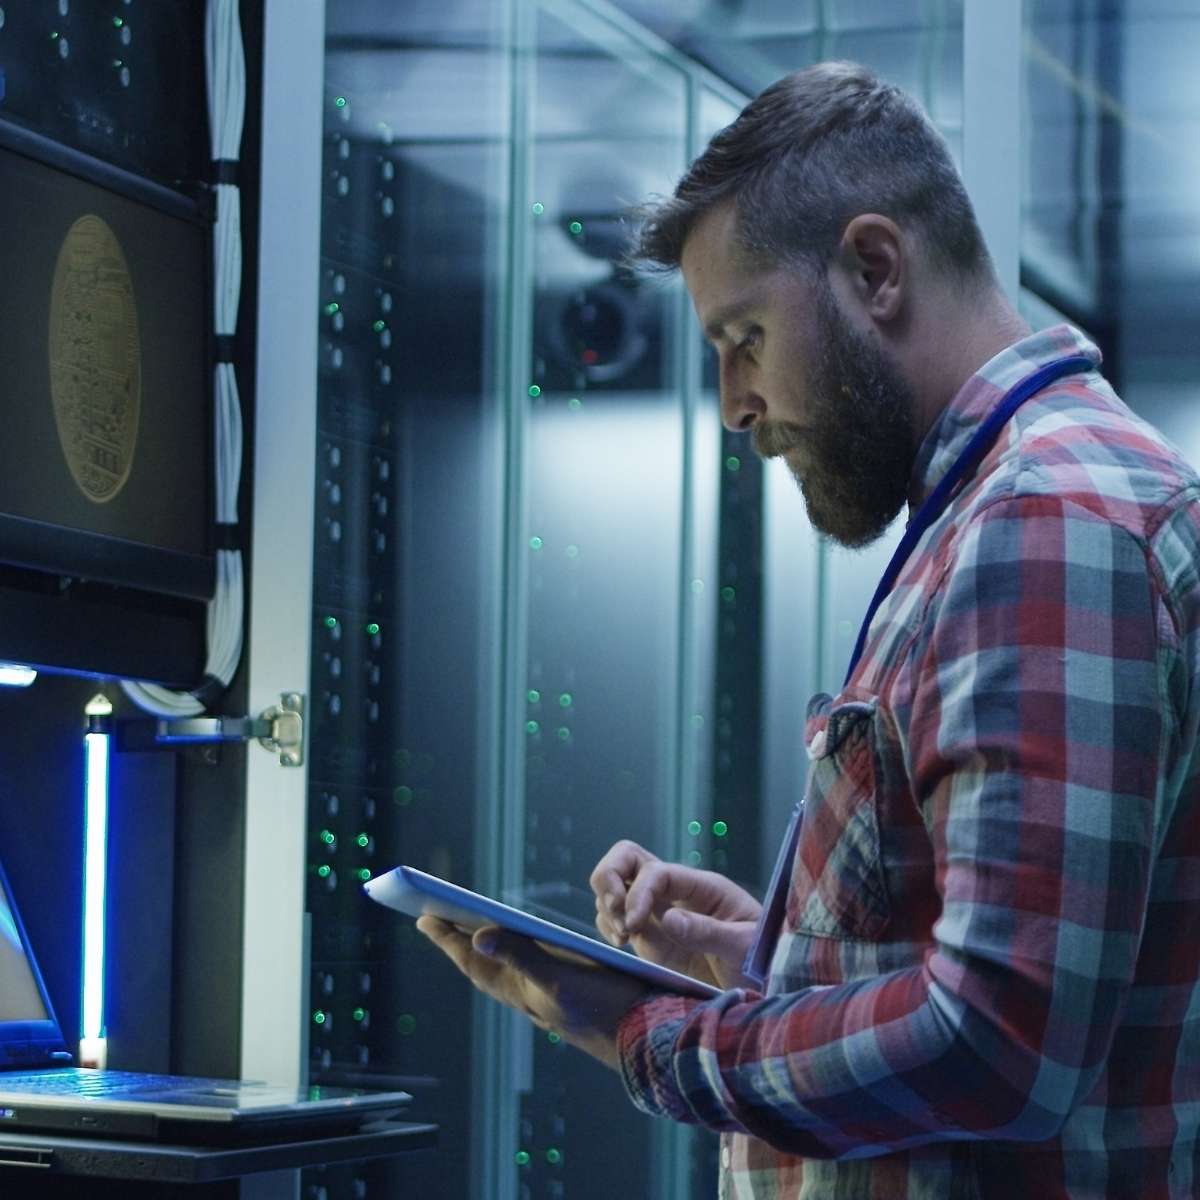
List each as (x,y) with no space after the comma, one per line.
(20,997)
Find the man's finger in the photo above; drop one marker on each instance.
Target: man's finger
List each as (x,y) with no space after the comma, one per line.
(459,948)
(610,930)
(699,934)
(672,883)
(611,875)
(540,963)
(655,884)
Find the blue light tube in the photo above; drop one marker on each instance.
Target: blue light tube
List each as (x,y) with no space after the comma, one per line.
(95,882)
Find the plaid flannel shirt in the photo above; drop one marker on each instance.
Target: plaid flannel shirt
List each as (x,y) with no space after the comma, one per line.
(987,981)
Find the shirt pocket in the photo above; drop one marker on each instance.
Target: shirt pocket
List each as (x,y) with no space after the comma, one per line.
(838,886)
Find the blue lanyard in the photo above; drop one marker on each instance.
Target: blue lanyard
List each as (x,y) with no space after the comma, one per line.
(770,920)
(968,460)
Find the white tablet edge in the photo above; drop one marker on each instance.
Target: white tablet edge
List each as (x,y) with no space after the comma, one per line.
(416,892)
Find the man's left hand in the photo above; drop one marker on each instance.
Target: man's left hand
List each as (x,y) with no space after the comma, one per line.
(580,1000)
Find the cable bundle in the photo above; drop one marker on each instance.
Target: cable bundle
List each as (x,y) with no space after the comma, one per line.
(226,78)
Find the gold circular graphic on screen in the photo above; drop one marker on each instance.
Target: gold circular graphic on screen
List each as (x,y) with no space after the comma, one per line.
(95,359)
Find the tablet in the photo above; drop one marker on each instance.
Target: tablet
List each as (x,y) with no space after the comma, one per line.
(414,892)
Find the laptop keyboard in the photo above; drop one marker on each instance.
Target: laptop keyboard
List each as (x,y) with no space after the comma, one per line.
(79,1082)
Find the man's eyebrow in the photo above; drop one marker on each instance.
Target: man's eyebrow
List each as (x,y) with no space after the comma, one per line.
(714,327)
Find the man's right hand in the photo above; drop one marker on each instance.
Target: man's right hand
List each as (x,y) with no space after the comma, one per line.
(693,921)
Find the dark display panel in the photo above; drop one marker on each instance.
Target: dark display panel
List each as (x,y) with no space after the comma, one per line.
(105,468)
(121,85)
(122,80)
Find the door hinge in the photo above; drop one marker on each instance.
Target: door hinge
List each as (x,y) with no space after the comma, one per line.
(286,734)
(279,729)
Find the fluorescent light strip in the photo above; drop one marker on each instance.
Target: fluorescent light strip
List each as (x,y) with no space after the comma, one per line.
(15,675)
(95,882)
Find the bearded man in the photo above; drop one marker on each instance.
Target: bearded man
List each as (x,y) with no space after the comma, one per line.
(977,972)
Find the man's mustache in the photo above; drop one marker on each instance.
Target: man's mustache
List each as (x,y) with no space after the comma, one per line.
(772,438)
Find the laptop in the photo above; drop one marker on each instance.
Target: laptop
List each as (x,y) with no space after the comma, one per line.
(41,1089)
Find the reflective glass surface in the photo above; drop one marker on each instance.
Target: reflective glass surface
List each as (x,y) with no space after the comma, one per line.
(1111,231)
(604,488)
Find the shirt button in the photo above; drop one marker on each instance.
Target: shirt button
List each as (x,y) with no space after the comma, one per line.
(725,1158)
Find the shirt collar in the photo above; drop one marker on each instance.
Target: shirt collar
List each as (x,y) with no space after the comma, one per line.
(952,429)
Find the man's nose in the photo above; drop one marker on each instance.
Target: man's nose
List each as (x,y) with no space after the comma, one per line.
(741,404)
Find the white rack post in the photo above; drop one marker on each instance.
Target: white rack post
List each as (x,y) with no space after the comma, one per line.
(274,981)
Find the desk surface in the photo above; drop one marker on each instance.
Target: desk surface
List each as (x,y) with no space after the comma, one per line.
(36,1155)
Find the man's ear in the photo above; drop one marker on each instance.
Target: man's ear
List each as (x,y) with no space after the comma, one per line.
(873,255)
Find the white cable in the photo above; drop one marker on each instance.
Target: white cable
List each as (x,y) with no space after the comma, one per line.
(225,74)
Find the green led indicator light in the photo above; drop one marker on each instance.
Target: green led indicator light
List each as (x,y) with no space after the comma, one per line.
(538,208)
(372,628)
(564,701)
(564,734)
(319,1017)
(379,326)
(403,795)
(534,390)
(553,1038)
(406,1024)
(332,307)
(364,873)
(531,727)
(695,828)
(694,857)
(359,1014)
(340,102)
(323,870)
(54,35)
(553,1156)
(720,828)
(728,594)
(118,22)
(363,840)
(331,622)
(576,228)
(733,463)
(521,1158)
(328,836)
(533,696)
(536,543)
(574,404)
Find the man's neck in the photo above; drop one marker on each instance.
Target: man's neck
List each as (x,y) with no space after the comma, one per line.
(958,338)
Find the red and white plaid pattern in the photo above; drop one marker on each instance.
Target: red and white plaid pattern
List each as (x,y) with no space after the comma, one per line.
(988,984)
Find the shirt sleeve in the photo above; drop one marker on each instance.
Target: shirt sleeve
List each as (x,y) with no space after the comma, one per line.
(1034,745)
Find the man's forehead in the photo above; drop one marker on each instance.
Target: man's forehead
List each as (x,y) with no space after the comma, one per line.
(713,235)
(719,276)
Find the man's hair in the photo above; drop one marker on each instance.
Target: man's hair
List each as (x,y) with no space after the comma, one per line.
(805,157)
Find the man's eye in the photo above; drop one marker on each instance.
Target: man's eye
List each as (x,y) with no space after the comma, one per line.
(750,342)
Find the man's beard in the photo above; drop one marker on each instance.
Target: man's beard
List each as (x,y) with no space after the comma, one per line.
(856,445)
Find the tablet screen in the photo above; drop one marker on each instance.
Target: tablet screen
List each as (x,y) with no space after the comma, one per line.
(563,903)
